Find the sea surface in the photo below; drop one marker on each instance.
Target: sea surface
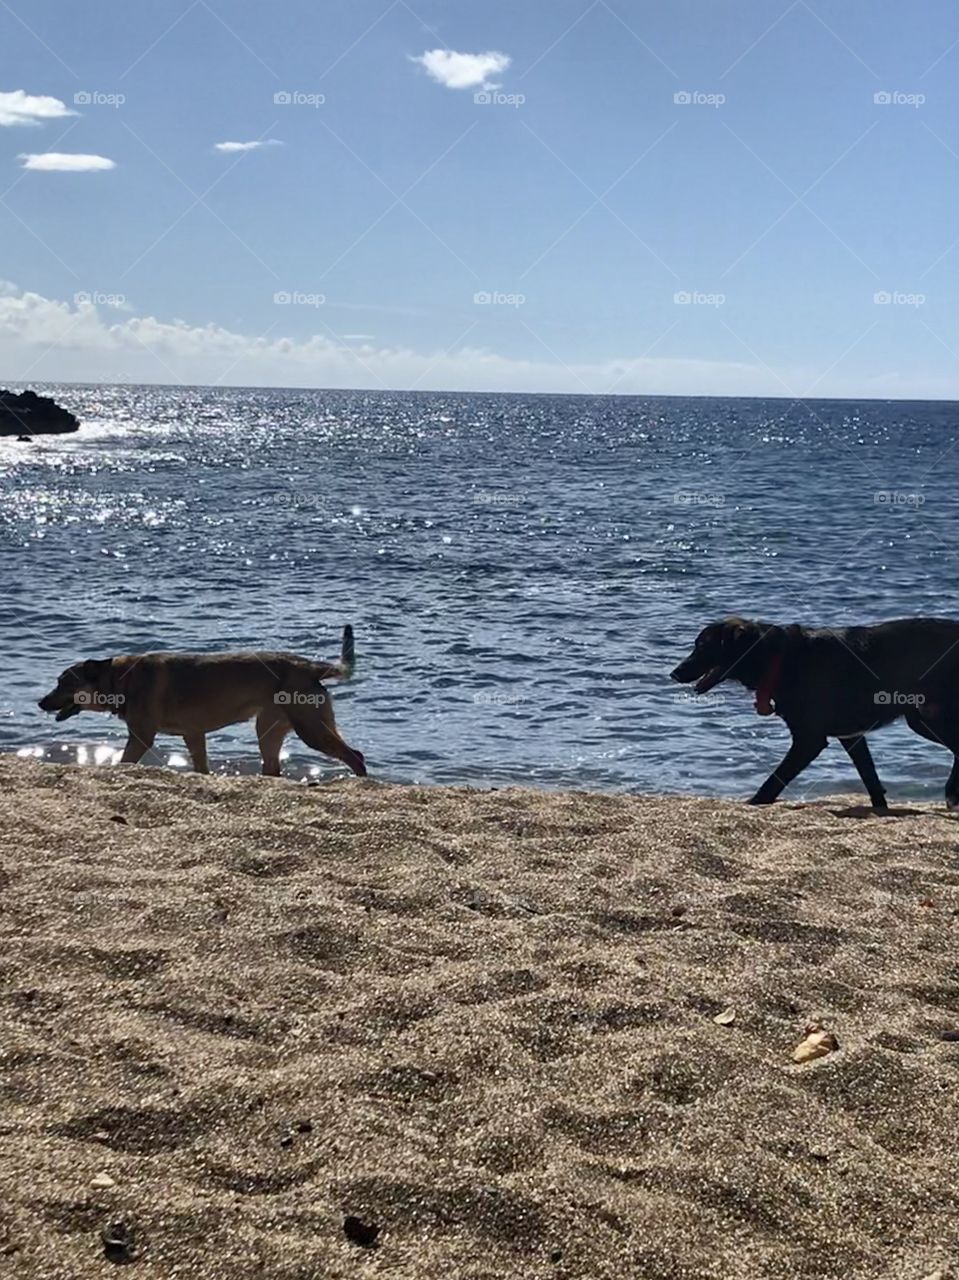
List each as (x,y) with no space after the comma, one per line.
(522,571)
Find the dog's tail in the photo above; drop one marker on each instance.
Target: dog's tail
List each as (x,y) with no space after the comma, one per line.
(347,652)
(343,669)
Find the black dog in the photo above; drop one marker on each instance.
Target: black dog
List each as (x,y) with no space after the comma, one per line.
(839,684)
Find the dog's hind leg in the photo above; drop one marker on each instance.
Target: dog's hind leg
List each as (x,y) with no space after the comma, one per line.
(313,728)
(802,753)
(952,785)
(930,723)
(196,745)
(271,728)
(861,756)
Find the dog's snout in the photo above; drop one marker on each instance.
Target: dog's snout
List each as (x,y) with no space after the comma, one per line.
(53,701)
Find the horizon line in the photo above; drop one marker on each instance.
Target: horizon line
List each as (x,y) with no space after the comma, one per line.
(557,395)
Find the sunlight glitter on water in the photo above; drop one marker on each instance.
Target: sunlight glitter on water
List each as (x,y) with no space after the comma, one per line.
(200,518)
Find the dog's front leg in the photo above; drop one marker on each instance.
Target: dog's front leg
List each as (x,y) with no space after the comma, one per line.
(802,752)
(861,756)
(196,745)
(139,741)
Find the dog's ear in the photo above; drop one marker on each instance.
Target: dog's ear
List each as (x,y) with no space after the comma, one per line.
(735,628)
(742,636)
(93,666)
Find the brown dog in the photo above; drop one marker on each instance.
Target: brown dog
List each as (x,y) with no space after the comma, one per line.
(193,694)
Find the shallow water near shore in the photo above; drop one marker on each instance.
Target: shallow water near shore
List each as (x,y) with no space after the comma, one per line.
(522,572)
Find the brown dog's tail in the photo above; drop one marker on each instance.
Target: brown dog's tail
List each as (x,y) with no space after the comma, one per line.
(343,669)
(348,652)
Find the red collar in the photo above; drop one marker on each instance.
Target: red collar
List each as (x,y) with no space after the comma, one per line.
(768,685)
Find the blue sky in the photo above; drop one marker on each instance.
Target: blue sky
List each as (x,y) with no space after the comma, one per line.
(629,239)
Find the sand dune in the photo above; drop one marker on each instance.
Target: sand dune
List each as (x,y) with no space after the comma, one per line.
(479,1024)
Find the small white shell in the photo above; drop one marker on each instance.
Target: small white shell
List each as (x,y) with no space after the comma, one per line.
(816,1045)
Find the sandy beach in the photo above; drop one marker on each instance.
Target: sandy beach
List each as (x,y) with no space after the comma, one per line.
(258,1029)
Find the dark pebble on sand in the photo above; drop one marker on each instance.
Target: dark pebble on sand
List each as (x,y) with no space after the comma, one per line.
(950,1036)
(118,1243)
(359,1232)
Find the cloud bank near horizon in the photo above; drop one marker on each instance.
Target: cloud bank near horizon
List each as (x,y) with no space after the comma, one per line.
(42,339)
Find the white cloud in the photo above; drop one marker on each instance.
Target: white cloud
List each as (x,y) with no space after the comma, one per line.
(47,340)
(18,107)
(66,162)
(463,70)
(246,146)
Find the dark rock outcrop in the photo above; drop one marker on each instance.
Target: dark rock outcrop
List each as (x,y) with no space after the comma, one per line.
(24,413)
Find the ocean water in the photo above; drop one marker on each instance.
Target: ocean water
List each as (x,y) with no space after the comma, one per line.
(522,571)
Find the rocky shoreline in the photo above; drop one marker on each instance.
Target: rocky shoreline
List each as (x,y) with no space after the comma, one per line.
(25,414)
